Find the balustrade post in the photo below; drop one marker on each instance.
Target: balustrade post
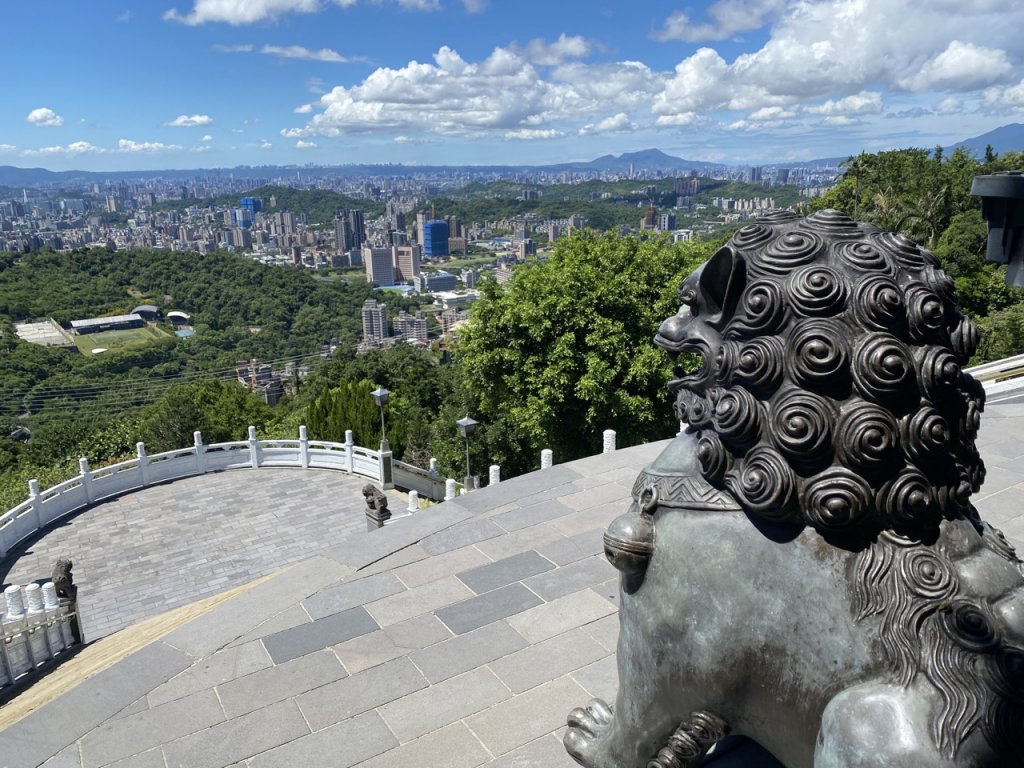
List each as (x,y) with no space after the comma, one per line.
(35,623)
(414,502)
(350,445)
(86,473)
(303,447)
(140,452)
(36,498)
(494,475)
(254,448)
(200,448)
(51,604)
(386,471)
(547,458)
(433,467)
(14,624)
(608,441)
(449,489)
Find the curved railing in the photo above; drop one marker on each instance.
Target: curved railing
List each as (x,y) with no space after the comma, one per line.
(43,507)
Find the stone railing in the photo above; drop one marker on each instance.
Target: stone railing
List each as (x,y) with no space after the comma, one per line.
(89,486)
(43,507)
(1000,377)
(35,629)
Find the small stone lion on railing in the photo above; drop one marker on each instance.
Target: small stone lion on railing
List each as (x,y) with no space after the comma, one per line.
(802,565)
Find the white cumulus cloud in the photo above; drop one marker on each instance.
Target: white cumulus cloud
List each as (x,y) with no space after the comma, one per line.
(207,137)
(264,144)
(127,145)
(618,123)
(303,109)
(961,67)
(727,18)
(548,54)
(44,116)
(189,121)
(532,134)
(74,148)
(8,148)
(242,12)
(303,53)
(863,103)
(300,144)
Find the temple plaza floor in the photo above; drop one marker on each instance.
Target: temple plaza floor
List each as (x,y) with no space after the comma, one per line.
(458,637)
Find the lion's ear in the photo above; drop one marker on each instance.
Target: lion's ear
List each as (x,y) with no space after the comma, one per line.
(721,284)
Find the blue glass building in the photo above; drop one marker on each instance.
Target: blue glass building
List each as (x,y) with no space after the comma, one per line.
(435,239)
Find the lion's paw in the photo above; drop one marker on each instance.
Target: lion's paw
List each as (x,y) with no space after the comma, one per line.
(586,726)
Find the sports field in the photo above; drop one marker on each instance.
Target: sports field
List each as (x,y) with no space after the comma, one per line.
(114,341)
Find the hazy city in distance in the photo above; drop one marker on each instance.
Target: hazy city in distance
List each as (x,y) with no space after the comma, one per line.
(189,84)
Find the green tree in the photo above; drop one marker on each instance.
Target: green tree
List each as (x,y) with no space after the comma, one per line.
(221,410)
(347,406)
(564,351)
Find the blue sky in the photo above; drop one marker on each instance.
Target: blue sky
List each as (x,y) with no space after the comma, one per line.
(104,85)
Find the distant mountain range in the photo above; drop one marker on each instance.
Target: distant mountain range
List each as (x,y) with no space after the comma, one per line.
(1004,139)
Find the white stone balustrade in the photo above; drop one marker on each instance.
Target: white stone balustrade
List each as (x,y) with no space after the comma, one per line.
(34,629)
(608,441)
(43,507)
(494,474)
(547,458)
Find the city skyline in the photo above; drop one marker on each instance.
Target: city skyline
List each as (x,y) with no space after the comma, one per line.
(218,83)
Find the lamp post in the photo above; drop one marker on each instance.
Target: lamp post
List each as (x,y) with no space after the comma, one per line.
(467,427)
(380,397)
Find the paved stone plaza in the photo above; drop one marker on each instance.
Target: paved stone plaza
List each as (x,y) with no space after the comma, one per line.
(459,637)
(165,546)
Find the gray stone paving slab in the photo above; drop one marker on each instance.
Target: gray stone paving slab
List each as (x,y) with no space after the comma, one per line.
(546,660)
(306,638)
(517,518)
(434,707)
(229,664)
(465,652)
(570,578)
(139,705)
(545,752)
(411,554)
(350,594)
(528,716)
(45,732)
(154,758)
(131,540)
(573,548)
(360,693)
(339,746)
(229,621)
(238,738)
(144,731)
(535,537)
(461,535)
(595,517)
(433,568)
(561,615)
(609,590)
(517,489)
(360,551)
(414,602)
(394,641)
(68,757)
(490,606)
(292,616)
(453,746)
(596,496)
(502,572)
(260,689)
(605,631)
(601,679)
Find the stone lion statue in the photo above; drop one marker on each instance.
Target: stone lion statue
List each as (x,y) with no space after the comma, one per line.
(802,565)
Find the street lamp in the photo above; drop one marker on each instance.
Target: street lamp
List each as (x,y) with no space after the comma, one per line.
(380,397)
(467,427)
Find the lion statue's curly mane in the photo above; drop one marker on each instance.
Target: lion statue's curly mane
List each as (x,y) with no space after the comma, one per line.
(831,391)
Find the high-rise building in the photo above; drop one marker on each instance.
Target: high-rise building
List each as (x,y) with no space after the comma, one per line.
(666,222)
(349,230)
(421,225)
(435,239)
(406,261)
(375,321)
(411,327)
(251,204)
(379,265)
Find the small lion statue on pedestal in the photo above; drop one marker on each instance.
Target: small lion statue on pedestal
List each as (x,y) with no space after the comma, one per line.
(802,565)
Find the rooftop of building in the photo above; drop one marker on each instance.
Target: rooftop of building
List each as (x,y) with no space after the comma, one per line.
(459,636)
